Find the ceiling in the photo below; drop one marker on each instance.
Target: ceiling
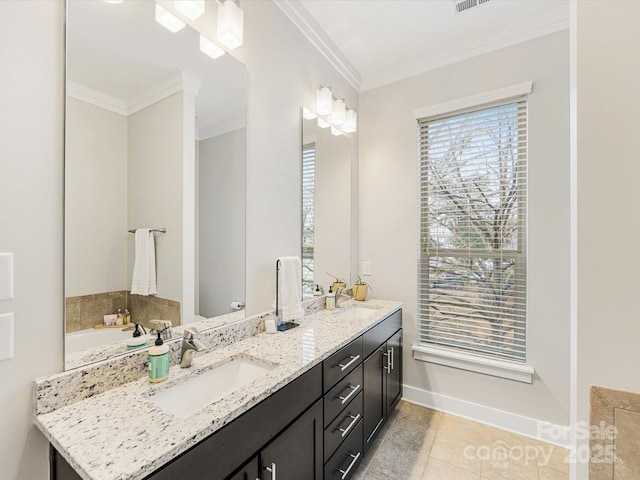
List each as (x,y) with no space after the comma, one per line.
(375,42)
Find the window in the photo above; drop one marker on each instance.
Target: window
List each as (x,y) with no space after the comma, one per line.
(472,262)
(308,199)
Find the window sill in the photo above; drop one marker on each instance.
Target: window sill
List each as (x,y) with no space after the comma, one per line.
(473,363)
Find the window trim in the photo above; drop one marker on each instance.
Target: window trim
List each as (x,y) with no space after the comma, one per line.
(452,357)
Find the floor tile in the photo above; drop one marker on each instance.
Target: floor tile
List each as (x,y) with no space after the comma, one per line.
(456,451)
(547,473)
(439,470)
(397,462)
(554,457)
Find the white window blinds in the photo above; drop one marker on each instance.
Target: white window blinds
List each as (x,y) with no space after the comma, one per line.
(308,199)
(472,270)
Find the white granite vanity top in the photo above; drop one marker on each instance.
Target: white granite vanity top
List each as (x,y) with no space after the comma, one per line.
(120,434)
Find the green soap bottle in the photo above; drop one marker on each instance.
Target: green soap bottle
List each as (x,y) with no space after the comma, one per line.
(158,361)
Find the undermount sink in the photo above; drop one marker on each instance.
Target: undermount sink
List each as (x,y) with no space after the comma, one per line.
(186,398)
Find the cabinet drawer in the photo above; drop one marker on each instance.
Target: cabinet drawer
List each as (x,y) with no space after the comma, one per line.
(339,396)
(342,426)
(377,335)
(338,365)
(345,461)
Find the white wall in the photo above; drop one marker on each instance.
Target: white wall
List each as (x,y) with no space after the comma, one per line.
(96,200)
(155,171)
(608,199)
(388,217)
(31,223)
(221,260)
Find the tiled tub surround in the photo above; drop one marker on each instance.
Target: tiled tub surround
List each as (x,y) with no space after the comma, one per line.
(615,437)
(110,350)
(120,434)
(87,311)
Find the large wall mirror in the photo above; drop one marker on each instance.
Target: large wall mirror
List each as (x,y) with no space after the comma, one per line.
(155,138)
(326,207)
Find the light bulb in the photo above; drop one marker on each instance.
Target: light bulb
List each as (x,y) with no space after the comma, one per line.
(322,123)
(338,112)
(336,132)
(350,121)
(191,9)
(308,114)
(323,101)
(230,21)
(210,48)
(168,20)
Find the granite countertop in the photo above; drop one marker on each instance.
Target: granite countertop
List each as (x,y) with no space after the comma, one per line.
(121,435)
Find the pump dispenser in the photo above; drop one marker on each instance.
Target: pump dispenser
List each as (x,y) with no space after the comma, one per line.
(158,361)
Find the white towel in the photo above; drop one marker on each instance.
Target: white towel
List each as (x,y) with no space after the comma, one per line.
(290,288)
(143,281)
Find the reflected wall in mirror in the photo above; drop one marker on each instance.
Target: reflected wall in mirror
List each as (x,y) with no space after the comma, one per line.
(155,138)
(326,206)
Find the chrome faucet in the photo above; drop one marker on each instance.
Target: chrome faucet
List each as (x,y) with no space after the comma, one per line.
(340,295)
(190,345)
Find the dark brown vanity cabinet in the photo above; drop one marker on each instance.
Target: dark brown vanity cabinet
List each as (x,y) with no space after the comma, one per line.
(318,426)
(382,374)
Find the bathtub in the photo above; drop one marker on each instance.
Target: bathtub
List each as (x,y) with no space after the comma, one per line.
(94,337)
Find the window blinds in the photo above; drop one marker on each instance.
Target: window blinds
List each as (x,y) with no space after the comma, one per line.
(472,270)
(308,199)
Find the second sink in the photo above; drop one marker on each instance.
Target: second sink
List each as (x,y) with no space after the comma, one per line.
(186,398)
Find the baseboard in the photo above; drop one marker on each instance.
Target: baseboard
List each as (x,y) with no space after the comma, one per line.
(511,422)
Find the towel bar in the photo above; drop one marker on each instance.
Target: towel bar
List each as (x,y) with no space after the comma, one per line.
(159,230)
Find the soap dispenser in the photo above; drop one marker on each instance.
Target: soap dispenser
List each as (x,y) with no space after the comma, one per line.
(330,300)
(158,361)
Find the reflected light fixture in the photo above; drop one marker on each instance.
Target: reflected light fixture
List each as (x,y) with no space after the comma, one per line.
(338,112)
(191,9)
(324,101)
(336,132)
(322,123)
(308,114)
(210,48)
(168,20)
(230,20)
(350,122)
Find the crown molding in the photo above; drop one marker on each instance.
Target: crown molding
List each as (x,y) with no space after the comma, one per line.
(310,28)
(393,75)
(94,97)
(175,84)
(205,133)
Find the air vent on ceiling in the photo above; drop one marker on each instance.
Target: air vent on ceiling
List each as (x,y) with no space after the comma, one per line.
(460,6)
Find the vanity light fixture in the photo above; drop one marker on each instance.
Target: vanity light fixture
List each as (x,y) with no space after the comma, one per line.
(168,20)
(230,20)
(324,101)
(191,9)
(322,123)
(350,121)
(335,131)
(308,114)
(338,112)
(210,48)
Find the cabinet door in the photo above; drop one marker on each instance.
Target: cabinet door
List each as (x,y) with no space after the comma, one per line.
(374,394)
(248,472)
(296,453)
(394,371)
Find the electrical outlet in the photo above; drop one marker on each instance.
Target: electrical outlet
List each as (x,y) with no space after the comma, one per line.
(366,268)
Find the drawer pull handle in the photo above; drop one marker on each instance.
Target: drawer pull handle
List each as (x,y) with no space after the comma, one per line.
(272,471)
(352,359)
(387,367)
(345,399)
(345,431)
(391,358)
(353,462)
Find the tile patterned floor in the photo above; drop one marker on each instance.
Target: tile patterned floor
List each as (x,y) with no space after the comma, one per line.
(421,444)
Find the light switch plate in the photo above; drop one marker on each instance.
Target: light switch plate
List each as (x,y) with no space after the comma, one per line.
(6,336)
(366,268)
(6,276)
